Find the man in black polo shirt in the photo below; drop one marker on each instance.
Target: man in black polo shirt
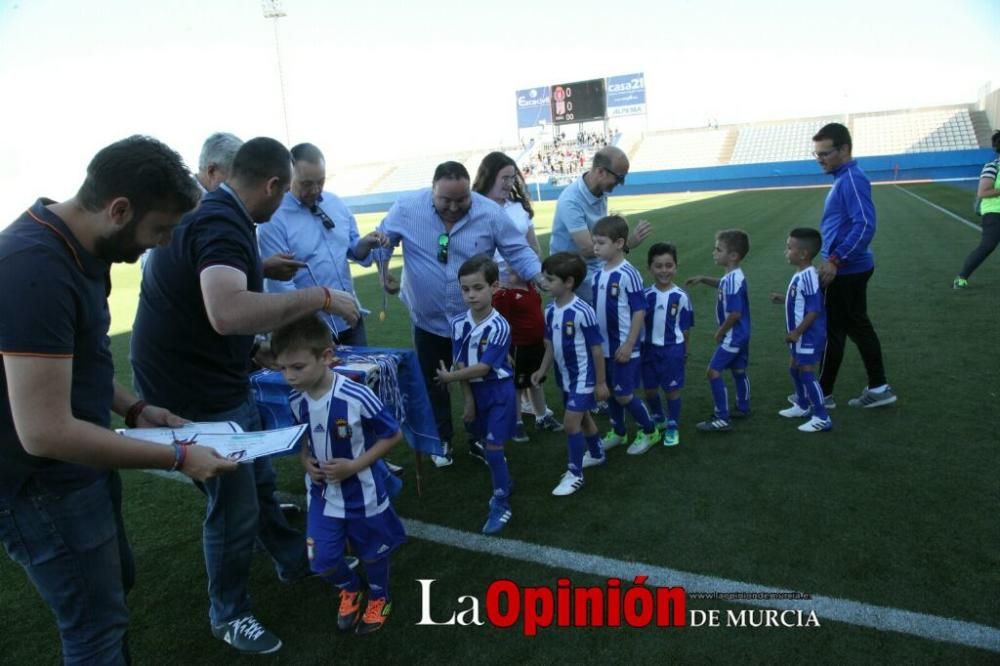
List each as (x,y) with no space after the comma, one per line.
(60,501)
(199,308)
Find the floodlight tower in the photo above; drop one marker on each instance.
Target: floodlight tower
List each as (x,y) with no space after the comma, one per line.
(274,11)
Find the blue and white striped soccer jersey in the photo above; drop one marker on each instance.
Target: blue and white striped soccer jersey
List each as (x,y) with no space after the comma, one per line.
(668,315)
(804,296)
(734,297)
(618,294)
(345,423)
(572,329)
(486,342)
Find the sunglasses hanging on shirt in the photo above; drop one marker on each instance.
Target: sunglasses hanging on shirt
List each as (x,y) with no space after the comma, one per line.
(323,217)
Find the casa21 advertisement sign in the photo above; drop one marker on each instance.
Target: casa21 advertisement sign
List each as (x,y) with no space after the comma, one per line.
(626,95)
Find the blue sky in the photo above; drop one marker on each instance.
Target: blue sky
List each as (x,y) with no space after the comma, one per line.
(376,79)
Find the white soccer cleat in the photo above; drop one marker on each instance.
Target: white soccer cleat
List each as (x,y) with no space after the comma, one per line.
(568,484)
(795,412)
(816,424)
(591,461)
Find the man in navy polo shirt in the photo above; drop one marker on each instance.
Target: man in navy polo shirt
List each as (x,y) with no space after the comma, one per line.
(582,204)
(199,308)
(848,227)
(60,501)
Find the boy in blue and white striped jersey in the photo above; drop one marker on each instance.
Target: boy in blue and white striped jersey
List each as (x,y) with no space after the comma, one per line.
(805,320)
(620,304)
(573,341)
(480,341)
(669,318)
(732,311)
(349,430)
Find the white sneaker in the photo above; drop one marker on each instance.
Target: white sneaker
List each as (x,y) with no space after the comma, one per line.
(795,412)
(444,460)
(612,439)
(816,424)
(591,461)
(568,484)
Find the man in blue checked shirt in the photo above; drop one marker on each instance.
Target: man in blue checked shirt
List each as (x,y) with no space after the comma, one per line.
(440,227)
(319,230)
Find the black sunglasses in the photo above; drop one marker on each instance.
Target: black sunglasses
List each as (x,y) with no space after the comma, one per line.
(619,180)
(323,217)
(443,241)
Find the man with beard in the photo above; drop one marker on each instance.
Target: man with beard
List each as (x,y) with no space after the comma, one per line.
(585,202)
(60,498)
(199,308)
(440,227)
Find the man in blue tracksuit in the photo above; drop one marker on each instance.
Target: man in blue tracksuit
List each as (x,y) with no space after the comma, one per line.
(848,227)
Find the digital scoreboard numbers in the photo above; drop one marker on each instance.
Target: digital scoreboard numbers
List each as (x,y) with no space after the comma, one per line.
(578,102)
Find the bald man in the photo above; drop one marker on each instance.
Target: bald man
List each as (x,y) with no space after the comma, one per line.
(582,204)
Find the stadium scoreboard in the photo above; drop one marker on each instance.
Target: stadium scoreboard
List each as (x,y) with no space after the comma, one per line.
(578,102)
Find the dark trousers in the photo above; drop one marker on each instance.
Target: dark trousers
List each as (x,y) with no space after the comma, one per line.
(988,243)
(357,336)
(847,317)
(431,350)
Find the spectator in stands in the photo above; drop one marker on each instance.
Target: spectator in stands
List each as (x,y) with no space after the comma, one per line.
(585,202)
(316,228)
(60,498)
(989,207)
(199,308)
(440,227)
(848,227)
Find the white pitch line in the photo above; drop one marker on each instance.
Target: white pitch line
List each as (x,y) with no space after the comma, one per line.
(943,210)
(881,618)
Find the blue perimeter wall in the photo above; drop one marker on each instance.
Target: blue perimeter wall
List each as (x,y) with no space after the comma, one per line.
(955,164)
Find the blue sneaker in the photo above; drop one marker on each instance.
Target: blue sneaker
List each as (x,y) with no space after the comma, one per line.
(671,436)
(499,516)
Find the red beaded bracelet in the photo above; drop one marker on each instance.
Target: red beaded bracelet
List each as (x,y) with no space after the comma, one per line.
(132,415)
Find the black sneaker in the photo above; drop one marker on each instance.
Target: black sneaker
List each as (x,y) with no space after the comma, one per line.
(477,451)
(247,635)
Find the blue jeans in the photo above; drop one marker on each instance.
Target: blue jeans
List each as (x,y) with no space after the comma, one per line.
(74,549)
(242,510)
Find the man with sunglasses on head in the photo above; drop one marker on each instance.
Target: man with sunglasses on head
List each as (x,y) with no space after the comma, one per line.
(585,202)
(316,228)
(848,227)
(439,228)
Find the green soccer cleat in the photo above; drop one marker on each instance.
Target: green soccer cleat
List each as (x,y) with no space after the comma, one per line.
(671,436)
(960,283)
(643,442)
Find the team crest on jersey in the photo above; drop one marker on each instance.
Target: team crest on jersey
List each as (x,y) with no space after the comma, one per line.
(613,288)
(569,329)
(343,430)
(482,343)
(793,291)
(673,309)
